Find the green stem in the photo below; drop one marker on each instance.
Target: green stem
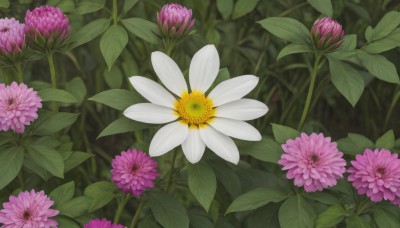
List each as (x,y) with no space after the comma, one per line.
(393,104)
(19,72)
(121,206)
(137,213)
(115,11)
(171,173)
(21,180)
(310,91)
(52,67)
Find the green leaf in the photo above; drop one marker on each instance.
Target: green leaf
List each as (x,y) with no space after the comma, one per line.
(64,221)
(225,7)
(389,42)
(55,122)
(368,33)
(77,88)
(347,80)
(255,199)
(128,4)
(119,99)
(386,141)
(286,28)
(283,133)
(323,6)
(4,3)
(294,48)
(168,211)
(243,7)
(330,217)
(123,125)
(379,66)
(227,177)
(57,95)
(296,212)
(386,25)
(265,150)
(11,160)
(142,28)
(89,32)
(101,194)
(354,144)
(76,207)
(76,159)
(63,193)
(202,183)
(114,77)
(355,221)
(47,158)
(323,197)
(112,43)
(89,6)
(384,218)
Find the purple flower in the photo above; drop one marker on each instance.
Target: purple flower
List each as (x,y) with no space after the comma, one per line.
(327,34)
(103,223)
(47,26)
(312,161)
(18,107)
(377,174)
(12,37)
(175,20)
(28,209)
(134,171)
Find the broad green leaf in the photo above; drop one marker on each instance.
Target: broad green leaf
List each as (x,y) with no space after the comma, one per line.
(199,219)
(4,3)
(101,194)
(294,48)
(128,4)
(323,197)
(11,160)
(63,193)
(227,177)
(202,183)
(255,199)
(384,218)
(114,77)
(77,88)
(142,28)
(243,7)
(123,125)
(167,210)
(55,122)
(347,80)
(225,7)
(389,42)
(386,25)
(264,217)
(368,33)
(112,43)
(323,6)
(296,212)
(283,133)
(386,141)
(379,66)
(57,95)
(265,150)
(355,221)
(286,28)
(76,159)
(119,99)
(65,5)
(89,32)
(47,158)
(64,221)
(330,217)
(354,144)
(89,6)
(76,207)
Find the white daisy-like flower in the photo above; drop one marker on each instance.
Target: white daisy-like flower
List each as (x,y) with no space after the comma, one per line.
(196,119)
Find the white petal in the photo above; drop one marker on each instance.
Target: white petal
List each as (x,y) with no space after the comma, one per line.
(243,109)
(193,147)
(167,138)
(221,144)
(150,113)
(152,91)
(168,72)
(204,68)
(233,89)
(236,129)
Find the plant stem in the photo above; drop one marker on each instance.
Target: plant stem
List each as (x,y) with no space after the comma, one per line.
(396,97)
(171,173)
(21,180)
(115,11)
(121,206)
(52,67)
(137,213)
(19,72)
(310,91)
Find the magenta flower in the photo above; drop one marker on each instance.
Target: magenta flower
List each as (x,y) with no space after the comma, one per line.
(134,171)
(12,37)
(175,20)
(46,26)
(312,161)
(327,34)
(103,223)
(18,106)
(377,174)
(28,209)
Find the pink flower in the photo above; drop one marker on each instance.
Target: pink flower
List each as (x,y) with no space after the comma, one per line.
(312,161)
(12,36)
(103,223)
(28,209)
(175,20)
(327,34)
(18,107)
(377,174)
(134,172)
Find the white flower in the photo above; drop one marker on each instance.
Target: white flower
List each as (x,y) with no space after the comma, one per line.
(196,120)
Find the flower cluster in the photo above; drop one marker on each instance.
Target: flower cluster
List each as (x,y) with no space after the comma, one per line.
(101,223)
(12,38)
(327,34)
(175,20)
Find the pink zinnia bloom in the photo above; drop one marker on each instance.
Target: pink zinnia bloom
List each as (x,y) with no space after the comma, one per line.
(28,209)
(175,20)
(134,171)
(103,223)
(18,107)
(12,36)
(327,34)
(377,174)
(312,161)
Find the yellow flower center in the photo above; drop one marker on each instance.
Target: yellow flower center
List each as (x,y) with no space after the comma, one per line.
(194,108)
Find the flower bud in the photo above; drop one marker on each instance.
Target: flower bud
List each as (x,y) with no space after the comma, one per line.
(12,39)
(327,34)
(175,20)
